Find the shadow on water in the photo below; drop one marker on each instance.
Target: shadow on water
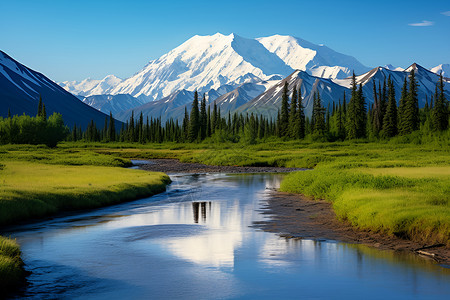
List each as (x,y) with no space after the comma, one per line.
(196,241)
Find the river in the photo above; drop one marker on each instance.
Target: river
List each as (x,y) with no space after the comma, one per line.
(196,241)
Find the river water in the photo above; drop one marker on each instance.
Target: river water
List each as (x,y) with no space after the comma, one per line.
(195,241)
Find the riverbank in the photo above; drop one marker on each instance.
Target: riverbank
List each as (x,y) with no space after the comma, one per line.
(295,215)
(172,166)
(46,182)
(300,217)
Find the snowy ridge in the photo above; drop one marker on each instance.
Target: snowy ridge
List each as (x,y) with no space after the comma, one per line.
(317,60)
(442,68)
(89,87)
(207,62)
(112,103)
(203,63)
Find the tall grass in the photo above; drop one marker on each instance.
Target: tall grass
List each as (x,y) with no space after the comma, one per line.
(11,265)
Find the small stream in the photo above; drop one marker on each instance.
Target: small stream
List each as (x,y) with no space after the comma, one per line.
(195,241)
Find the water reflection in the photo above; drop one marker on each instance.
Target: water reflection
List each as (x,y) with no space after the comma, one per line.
(196,241)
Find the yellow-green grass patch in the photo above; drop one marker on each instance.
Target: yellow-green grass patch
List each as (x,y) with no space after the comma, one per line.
(31,190)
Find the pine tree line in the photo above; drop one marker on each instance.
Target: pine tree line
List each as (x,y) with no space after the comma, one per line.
(344,120)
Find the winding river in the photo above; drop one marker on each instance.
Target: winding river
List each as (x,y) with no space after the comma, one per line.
(196,241)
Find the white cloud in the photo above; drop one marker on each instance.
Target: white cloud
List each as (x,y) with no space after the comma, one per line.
(423,23)
(446,13)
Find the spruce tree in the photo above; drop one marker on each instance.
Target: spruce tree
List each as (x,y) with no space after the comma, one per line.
(293,124)
(376,111)
(194,119)
(352,111)
(413,103)
(203,119)
(390,117)
(111,129)
(440,110)
(44,113)
(401,119)
(39,112)
(318,116)
(284,112)
(300,116)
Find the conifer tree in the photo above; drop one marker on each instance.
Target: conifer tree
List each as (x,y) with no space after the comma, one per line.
(44,113)
(284,113)
(293,123)
(185,126)
(318,116)
(376,111)
(300,116)
(390,117)
(352,111)
(194,120)
(208,122)
(440,110)
(9,113)
(39,112)
(402,108)
(111,129)
(203,119)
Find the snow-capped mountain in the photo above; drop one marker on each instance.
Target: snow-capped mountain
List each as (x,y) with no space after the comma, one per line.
(317,60)
(89,87)
(112,103)
(20,88)
(241,95)
(331,90)
(203,63)
(393,68)
(442,68)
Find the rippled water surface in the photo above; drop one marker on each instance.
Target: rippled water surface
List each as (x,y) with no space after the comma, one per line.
(195,242)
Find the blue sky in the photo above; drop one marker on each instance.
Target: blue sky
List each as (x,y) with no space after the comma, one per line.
(73,40)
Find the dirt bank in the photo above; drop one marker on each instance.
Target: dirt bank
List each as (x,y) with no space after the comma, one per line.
(296,216)
(172,166)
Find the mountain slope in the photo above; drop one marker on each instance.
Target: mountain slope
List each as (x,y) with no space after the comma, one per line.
(90,87)
(203,63)
(269,102)
(331,90)
(444,68)
(317,60)
(113,103)
(20,88)
(168,107)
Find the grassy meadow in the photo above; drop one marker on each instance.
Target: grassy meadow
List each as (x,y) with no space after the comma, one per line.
(397,187)
(36,181)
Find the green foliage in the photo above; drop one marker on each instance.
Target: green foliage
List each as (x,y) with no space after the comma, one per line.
(11,265)
(33,130)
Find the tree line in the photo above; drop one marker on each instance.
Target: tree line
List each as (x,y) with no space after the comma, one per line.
(344,120)
(33,130)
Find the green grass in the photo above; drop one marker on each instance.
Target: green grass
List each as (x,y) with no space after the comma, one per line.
(32,190)
(11,271)
(36,181)
(395,187)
